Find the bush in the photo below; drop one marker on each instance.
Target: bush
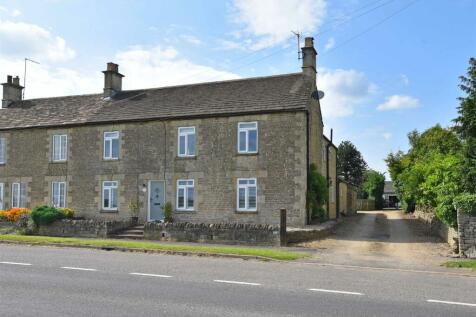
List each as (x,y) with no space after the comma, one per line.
(317,194)
(14,214)
(168,212)
(67,212)
(3,215)
(43,215)
(466,203)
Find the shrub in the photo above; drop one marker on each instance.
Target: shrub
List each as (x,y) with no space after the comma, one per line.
(317,194)
(43,215)
(14,214)
(466,203)
(168,212)
(67,212)
(3,215)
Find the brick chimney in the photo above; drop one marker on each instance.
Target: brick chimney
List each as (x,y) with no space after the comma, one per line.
(112,80)
(309,54)
(12,91)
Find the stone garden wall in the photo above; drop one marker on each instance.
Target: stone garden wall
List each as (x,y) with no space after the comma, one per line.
(467,235)
(82,228)
(230,233)
(436,227)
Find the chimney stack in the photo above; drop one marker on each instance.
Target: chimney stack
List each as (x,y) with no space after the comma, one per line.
(309,53)
(112,80)
(12,91)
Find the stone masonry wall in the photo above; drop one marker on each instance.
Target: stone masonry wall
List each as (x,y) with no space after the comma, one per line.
(436,227)
(219,233)
(467,235)
(148,151)
(82,228)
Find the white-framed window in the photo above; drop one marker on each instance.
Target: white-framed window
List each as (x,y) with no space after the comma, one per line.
(60,148)
(185,194)
(109,195)
(3,151)
(111,145)
(58,194)
(1,196)
(186,141)
(248,137)
(18,195)
(246,194)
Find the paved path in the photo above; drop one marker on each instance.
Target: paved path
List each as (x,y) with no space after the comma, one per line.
(49,281)
(384,239)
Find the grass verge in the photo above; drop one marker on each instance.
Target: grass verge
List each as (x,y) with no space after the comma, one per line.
(154,246)
(470,264)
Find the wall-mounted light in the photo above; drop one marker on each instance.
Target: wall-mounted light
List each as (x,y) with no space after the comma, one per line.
(144,188)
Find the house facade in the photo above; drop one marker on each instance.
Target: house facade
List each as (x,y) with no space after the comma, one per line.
(329,171)
(232,151)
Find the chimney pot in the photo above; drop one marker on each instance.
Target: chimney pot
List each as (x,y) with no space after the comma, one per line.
(16,80)
(9,79)
(309,53)
(309,42)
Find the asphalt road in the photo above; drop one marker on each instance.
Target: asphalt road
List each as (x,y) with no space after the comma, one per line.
(49,281)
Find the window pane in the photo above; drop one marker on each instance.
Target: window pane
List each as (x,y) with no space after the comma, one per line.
(242,141)
(115,148)
(252,140)
(106,197)
(182,145)
(107,149)
(241,198)
(22,195)
(181,198)
(251,182)
(190,197)
(251,197)
(64,143)
(114,197)
(191,144)
(111,134)
(186,130)
(243,181)
(251,125)
(15,190)
(2,150)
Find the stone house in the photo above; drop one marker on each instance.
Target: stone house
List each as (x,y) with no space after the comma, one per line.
(329,171)
(230,151)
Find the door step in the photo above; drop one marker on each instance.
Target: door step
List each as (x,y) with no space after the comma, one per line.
(135,232)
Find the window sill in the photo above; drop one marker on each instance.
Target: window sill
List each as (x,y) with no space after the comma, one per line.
(110,160)
(109,211)
(191,157)
(246,211)
(248,153)
(186,211)
(58,162)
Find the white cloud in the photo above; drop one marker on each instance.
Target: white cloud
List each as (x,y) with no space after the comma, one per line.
(387,135)
(399,102)
(157,66)
(344,90)
(143,68)
(30,40)
(191,39)
(330,44)
(270,23)
(16,13)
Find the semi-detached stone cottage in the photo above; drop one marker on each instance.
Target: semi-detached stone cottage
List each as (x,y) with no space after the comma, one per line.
(230,151)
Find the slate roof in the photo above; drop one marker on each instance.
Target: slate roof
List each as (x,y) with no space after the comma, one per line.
(245,96)
(388,188)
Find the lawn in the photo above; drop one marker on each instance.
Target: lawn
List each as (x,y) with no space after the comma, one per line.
(470,264)
(270,253)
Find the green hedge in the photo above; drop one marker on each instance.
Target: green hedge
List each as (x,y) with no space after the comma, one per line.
(43,215)
(466,203)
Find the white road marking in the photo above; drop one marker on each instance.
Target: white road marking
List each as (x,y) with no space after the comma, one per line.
(237,282)
(16,263)
(450,303)
(152,275)
(77,268)
(333,291)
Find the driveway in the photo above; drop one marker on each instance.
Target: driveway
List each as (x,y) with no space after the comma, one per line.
(390,239)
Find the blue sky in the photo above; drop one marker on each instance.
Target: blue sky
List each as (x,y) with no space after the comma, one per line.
(387,67)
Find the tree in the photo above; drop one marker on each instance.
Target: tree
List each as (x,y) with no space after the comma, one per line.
(350,163)
(466,126)
(373,186)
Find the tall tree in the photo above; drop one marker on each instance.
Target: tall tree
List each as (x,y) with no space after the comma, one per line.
(350,163)
(466,125)
(373,186)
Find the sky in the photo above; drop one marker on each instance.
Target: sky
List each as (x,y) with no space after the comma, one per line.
(386,67)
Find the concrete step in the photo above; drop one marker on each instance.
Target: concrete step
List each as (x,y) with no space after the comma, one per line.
(133,231)
(129,236)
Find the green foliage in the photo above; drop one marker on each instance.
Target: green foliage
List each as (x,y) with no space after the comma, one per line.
(317,194)
(43,215)
(373,186)
(350,163)
(466,203)
(134,207)
(168,212)
(466,126)
(67,212)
